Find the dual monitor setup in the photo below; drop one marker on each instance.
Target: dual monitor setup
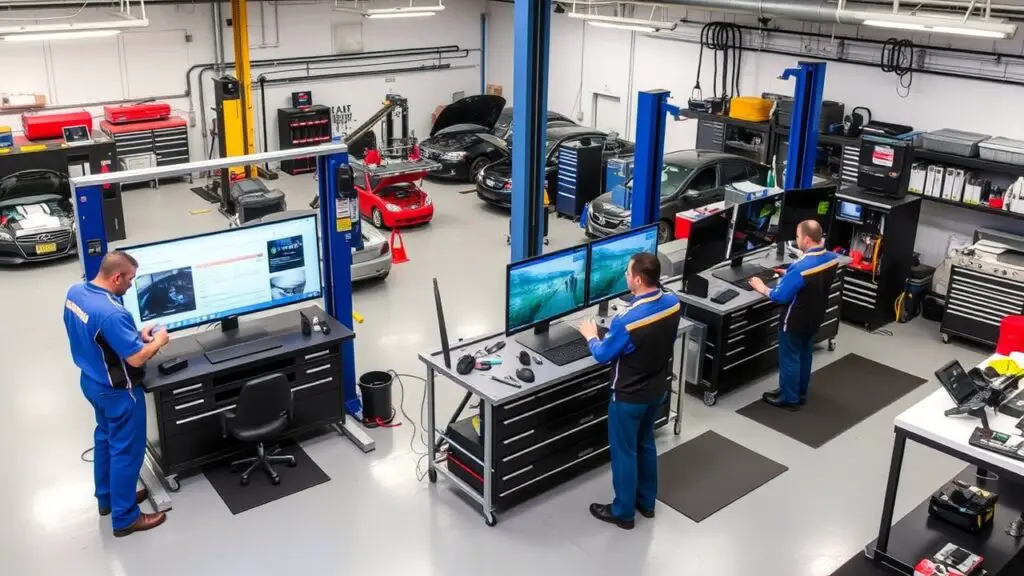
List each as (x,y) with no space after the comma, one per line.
(217,277)
(545,288)
(742,229)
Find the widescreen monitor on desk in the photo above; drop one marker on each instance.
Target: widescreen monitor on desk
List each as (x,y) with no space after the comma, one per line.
(545,288)
(756,227)
(196,280)
(609,257)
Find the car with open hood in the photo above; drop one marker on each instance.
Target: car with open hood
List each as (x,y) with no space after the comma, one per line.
(390,195)
(494,181)
(689,179)
(454,140)
(37,220)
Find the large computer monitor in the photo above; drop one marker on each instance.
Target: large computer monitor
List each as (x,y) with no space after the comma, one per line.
(609,257)
(544,288)
(755,227)
(708,242)
(806,204)
(186,282)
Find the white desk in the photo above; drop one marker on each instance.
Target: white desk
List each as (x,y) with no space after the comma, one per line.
(926,424)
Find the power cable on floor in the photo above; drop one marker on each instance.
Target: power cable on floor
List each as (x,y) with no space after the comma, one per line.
(416,426)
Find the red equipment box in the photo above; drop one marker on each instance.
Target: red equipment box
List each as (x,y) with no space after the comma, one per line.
(146,112)
(51,126)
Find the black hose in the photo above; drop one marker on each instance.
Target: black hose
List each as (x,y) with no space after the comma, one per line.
(898,59)
(721,37)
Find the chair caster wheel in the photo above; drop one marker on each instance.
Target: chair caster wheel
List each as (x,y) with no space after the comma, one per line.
(245,480)
(831,345)
(275,480)
(710,398)
(490,519)
(292,463)
(432,475)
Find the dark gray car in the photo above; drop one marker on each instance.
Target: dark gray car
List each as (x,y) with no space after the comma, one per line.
(689,179)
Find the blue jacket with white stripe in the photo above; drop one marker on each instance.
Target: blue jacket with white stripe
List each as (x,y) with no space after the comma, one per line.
(805,288)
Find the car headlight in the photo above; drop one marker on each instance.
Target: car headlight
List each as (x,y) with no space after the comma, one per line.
(6,236)
(391,207)
(454,156)
(428,201)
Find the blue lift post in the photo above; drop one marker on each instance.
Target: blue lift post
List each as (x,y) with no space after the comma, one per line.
(651,117)
(803,129)
(532,25)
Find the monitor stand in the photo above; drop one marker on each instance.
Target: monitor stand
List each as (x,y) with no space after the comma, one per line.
(233,342)
(738,271)
(545,337)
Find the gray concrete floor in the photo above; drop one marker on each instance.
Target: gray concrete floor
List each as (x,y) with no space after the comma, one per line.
(374,516)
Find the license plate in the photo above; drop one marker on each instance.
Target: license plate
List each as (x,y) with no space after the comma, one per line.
(46,248)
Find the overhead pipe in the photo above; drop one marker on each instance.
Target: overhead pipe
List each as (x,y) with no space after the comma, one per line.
(218,37)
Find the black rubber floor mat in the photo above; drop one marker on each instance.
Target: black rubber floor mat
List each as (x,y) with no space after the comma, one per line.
(227,483)
(708,473)
(842,394)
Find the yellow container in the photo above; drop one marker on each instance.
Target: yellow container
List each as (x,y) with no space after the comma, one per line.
(750,108)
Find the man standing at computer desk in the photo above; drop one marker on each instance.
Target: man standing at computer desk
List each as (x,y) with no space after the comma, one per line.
(639,344)
(804,288)
(112,355)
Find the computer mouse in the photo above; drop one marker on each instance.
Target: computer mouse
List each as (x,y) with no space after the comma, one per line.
(524,358)
(465,364)
(525,374)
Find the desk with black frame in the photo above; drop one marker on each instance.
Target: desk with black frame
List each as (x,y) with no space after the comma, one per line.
(184,429)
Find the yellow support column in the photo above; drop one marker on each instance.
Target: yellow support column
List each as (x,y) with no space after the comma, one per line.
(240,35)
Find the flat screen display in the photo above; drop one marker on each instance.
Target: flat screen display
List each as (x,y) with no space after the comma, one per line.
(609,258)
(191,281)
(851,211)
(545,288)
(757,225)
(806,204)
(708,241)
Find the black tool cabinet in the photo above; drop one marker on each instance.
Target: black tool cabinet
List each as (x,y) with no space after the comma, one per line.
(977,300)
(184,430)
(742,343)
(301,127)
(541,440)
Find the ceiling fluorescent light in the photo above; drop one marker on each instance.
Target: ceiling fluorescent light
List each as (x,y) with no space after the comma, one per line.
(636,24)
(970,32)
(74,27)
(399,14)
(939,24)
(895,25)
(71,35)
(404,11)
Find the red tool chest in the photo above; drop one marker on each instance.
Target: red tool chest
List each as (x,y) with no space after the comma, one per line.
(51,126)
(145,112)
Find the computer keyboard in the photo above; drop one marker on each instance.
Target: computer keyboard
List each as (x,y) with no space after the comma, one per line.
(571,351)
(769,277)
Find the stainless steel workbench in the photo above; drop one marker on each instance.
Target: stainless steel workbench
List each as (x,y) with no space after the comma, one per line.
(547,375)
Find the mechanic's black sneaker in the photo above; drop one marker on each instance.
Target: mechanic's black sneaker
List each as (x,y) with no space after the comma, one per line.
(778,403)
(777,392)
(143,523)
(603,512)
(140,497)
(645,512)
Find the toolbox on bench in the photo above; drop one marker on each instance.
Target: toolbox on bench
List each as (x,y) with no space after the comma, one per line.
(146,112)
(51,126)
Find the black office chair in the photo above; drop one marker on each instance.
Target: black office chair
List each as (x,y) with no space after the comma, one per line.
(262,413)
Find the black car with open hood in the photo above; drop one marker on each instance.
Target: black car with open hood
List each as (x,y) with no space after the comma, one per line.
(37,220)
(454,139)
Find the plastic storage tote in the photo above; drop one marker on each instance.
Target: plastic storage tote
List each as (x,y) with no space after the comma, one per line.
(1005,150)
(955,142)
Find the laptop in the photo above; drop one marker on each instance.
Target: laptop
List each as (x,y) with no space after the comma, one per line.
(77,135)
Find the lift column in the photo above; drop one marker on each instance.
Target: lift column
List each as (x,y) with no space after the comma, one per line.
(532,27)
(240,36)
(652,114)
(803,129)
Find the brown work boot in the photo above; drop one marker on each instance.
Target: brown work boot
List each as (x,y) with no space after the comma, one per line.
(140,497)
(144,522)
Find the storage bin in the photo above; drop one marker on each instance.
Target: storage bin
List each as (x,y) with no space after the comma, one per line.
(1005,150)
(955,142)
(750,108)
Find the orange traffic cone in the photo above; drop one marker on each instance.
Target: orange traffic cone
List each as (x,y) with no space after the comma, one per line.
(397,247)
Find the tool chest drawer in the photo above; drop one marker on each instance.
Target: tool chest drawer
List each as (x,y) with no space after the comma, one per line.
(977,302)
(582,398)
(553,394)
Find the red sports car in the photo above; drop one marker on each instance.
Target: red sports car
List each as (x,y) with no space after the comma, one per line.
(391,198)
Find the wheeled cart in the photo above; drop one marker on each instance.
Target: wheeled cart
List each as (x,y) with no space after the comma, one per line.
(527,440)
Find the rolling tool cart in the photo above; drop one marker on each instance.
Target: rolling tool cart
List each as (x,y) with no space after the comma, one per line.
(299,127)
(878,234)
(579,177)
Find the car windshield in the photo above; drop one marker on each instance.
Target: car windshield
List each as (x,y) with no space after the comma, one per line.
(672,177)
(504,123)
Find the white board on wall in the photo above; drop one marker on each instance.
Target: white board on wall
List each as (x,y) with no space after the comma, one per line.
(98,81)
(155,63)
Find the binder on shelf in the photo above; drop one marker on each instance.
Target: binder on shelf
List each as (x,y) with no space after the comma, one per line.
(933,181)
(918,173)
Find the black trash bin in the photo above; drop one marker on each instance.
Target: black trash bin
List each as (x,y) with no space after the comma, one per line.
(375,388)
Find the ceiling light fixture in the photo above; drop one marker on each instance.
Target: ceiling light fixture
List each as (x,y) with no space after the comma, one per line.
(939,24)
(400,14)
(68,35)
(635,24)
(403,11)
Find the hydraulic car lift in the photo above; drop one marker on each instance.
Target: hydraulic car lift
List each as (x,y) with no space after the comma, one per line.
(339,235)
(803,129)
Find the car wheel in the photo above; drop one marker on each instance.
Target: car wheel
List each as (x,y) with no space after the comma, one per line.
(477,166)
(378,218)
(664,232)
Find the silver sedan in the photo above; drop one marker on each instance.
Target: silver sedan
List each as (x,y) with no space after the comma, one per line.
(373,261)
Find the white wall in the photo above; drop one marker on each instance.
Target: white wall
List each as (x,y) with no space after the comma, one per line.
(585,60)
(153,62)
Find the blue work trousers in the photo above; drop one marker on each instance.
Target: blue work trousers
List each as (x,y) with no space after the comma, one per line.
(634,456)
(120,447)
(794,366)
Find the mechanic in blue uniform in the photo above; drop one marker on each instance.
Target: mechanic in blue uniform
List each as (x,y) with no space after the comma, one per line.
(804,289)
(639,345)
(112,353)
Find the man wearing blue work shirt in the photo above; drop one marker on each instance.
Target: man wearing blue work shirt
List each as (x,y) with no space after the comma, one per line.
(112,353)
(639,345)
(804,289)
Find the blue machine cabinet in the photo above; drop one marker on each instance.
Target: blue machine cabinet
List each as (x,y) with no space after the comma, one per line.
(579,177)
(615,175)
